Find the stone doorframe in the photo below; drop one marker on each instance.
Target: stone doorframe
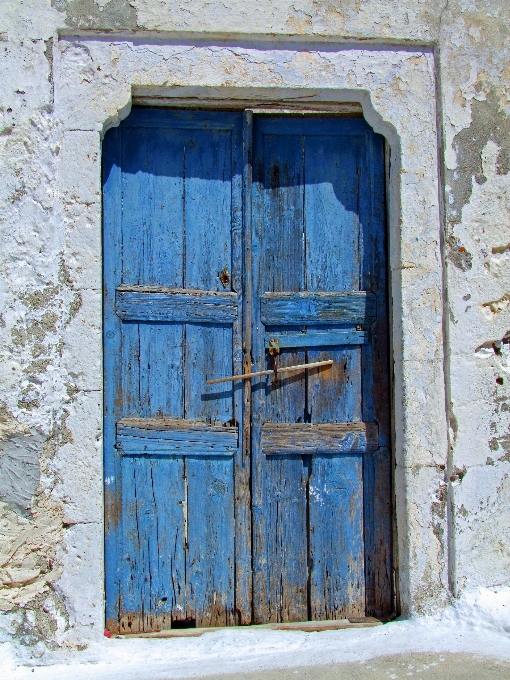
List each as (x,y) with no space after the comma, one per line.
(96,81)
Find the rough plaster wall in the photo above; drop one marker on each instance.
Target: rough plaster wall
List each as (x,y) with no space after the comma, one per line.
(47,371)
(475,58)
(49,291)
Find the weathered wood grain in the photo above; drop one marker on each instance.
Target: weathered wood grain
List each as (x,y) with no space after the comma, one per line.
(112,248)
(324,438)
(317,308)
(242,475)
(178,305)
(336,550)
(158,436)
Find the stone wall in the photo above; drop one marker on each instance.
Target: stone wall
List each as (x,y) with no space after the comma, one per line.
(68,71)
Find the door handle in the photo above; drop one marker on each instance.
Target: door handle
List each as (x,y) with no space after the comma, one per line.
(256,374)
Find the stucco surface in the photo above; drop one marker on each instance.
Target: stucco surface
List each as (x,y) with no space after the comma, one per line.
(435,80)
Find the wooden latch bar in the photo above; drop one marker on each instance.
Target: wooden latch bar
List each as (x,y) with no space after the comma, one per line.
(285,369)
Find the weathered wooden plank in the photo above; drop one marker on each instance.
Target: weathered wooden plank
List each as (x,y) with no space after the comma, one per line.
(175,425)
(352,623)
(334,253)
(296,309)
(319,439)
(153,563)
(332,201)
(146,304)
(161,369)
(317,338)
(283,560)
(175,438)
(209,351)
(134,446)
(211,549)
(337,578)
(208,210)
(279,485)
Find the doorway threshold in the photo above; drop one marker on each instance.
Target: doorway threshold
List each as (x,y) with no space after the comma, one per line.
(303,626)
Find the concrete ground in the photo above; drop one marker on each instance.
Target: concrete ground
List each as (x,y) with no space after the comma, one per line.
(425,666)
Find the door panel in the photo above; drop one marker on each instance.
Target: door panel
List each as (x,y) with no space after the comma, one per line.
(203,499)
(319,249)
(172,202)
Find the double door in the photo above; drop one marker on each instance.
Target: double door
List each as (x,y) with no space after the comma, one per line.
(238,244)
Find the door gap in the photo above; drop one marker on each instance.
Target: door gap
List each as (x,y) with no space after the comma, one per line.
(307,468)
(184,623)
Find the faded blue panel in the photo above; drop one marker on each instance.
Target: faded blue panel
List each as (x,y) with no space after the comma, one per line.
(161,369)
(129,401)
(208,209)
(337,578)
(153,209)
(153,551)
(332,206)
(280,554)
(208,354)
(211,548)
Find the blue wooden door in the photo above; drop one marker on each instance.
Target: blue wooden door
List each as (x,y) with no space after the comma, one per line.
(172,261)
(249,501)
(320,437)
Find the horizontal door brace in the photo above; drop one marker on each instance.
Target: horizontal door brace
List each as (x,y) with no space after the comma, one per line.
(312,339)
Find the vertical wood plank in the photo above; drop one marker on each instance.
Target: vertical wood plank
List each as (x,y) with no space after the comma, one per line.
(337,579)
(161,370)
(154,550)
(375,374)
(152,209)
(332,202)
(279,520)
(210,351)
(211,552)
(208,208)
